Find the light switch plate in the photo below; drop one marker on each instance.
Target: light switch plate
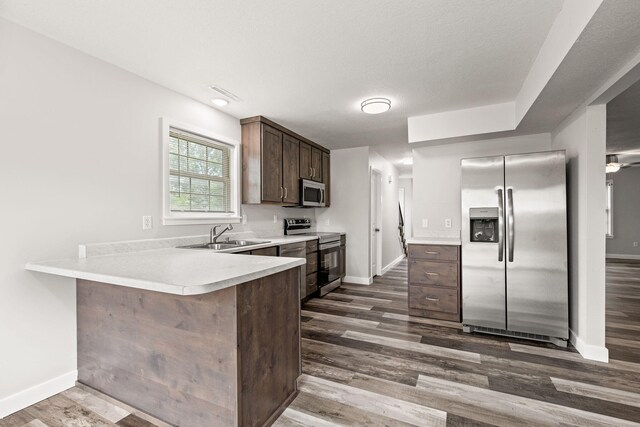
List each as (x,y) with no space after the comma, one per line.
(635,244)
(275,219)
(447,223)
(425,223)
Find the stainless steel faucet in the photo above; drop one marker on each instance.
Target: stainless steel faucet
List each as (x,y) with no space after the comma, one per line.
(214,235)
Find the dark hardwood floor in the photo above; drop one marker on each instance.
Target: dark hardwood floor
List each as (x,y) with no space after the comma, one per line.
(623,310)
(365,362)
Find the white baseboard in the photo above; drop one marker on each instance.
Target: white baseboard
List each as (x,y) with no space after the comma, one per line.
(37,393)
(392,264)
(358,280)
(588,351)
(623,256)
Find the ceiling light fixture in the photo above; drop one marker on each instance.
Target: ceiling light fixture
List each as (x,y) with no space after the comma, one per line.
(375,105)
(220,102)
(612,164)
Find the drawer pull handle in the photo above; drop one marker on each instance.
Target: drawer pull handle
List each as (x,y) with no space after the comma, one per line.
(432,299)
(428,273)
(432,252)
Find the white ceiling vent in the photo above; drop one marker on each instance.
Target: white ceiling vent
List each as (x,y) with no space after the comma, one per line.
(225,92)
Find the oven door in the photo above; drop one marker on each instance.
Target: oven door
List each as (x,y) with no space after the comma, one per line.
(312,193)
(329,268)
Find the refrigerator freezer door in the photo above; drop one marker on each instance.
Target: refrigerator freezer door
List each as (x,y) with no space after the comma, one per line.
(483,260)
(537,293)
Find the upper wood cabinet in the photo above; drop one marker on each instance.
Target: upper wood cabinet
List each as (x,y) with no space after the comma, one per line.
(326,178)
(274,159)
(310,162)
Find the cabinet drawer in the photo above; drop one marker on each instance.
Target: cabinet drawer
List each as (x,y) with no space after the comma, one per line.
(433,299)
(312,262)
(433,273)
(312,246)
(286,250)
(312,283)
(437,252)
(270,251)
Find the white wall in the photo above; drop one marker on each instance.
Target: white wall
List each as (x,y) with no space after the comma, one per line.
(80,163)
(349,211)
(583,135)
(391,247)
(436,178)
(407,185)
(626,218)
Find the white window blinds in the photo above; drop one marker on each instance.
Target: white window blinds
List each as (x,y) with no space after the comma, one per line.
(199,176)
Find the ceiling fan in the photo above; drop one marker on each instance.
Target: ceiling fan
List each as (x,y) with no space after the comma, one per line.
(615,162)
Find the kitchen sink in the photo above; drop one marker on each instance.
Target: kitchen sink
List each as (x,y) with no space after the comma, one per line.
(245,242)
(229,244)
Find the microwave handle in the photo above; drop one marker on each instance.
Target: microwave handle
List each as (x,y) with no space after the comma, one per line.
(322,197)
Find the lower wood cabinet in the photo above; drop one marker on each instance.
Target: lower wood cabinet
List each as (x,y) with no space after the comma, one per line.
(312,270)
(434,281)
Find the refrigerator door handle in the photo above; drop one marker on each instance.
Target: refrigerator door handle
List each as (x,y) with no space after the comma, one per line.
(510,222)
(500,225)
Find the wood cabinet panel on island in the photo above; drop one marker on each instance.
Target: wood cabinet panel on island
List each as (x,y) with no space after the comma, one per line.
(434,281)
(224,358)
(274,159)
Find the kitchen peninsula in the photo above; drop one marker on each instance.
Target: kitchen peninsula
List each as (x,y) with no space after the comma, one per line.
(190,337)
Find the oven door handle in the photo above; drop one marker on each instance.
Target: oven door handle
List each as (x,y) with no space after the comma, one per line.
(329,245)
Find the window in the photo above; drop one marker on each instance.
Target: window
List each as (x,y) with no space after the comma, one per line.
(201,176)
(609,208)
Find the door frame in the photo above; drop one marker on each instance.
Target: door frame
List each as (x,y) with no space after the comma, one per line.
(375,212)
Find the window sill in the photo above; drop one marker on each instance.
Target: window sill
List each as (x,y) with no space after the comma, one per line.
(201,221)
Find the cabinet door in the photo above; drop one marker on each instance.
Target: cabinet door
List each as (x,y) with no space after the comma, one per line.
(326,177)
(305,160)
(316,164)
(271,172)
(290,169)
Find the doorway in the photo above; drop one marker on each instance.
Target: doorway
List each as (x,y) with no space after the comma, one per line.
(376,222)
(623,226)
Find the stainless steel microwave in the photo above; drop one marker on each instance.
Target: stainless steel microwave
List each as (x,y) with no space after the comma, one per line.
(311,193)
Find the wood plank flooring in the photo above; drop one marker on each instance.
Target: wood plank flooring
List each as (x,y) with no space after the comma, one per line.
(366,362)
(623,310)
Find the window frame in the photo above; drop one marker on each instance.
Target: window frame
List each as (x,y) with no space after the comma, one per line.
(235,185)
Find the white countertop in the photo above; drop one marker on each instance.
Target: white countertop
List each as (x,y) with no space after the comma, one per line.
(453,241)
(171,270)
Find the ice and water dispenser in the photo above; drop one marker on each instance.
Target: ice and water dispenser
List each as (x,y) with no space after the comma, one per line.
(484,225)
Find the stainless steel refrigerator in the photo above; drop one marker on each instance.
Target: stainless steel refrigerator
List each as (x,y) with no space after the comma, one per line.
(514,246)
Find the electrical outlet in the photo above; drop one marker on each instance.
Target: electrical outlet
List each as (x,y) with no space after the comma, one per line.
(275,219)
(635,244)
(327,221)
(425,223)
(447,223)
(244,218)
(147,222)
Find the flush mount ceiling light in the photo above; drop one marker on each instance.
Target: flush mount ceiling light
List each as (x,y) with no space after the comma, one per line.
(375,105)
(220,102)
(612,164)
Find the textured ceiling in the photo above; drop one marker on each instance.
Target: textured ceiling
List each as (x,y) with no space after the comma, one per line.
(308,64)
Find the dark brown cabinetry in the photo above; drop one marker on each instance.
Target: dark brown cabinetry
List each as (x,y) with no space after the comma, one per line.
(274,159)
(312,269)
(326,178)
(434,281)
(343,254)
(270,166)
